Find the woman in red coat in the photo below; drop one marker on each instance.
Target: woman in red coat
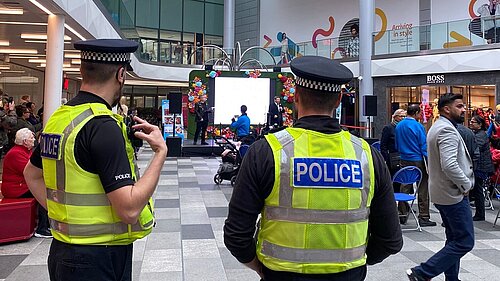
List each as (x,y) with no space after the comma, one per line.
(13,182)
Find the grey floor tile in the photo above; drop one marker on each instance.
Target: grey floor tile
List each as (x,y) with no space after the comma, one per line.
(245,274)
(229,261)
(188,184)
(167,213)
(136,269)
(165,276)
(30,272)
(171,225)
(197,231)
(167,203)
(166,240)
(20,248)
(162,261)
(199,248)
(9,263)
(39,255)
(204,269)
(490,255)
(214,212)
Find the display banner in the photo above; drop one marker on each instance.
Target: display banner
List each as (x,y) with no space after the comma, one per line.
(169,121)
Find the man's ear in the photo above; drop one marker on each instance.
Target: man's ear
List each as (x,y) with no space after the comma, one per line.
(337,103)
(121,74)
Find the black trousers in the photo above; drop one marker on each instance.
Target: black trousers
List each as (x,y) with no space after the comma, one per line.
(84,262)
(201,127)
(477,193)
(355,274)
(43,216)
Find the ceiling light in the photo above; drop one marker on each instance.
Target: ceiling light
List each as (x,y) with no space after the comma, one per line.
(7,11)
(71,69)
(4,67)
(41,41)
(13,71)
(21,57)
(76,61)
(39,36)
(17,51)
(41,7)
(4,43)
(65,65)
(72,56)
(23,23)
(37,60)
(74,32)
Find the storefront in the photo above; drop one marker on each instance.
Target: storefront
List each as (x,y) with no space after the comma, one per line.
(481,90)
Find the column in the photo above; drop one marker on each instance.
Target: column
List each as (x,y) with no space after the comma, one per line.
(54,68)
(229,26)
(366,16)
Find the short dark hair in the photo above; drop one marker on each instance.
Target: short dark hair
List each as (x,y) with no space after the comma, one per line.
(98,73)
(29,104)
(20,109)
(355,26)
(448,99)
(243,109)
(316,99)
(480,120)
(413,109)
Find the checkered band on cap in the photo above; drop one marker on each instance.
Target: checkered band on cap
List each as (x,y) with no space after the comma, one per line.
(105,57)
(315,85)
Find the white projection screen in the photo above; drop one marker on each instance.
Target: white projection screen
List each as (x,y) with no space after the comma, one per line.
(232,92)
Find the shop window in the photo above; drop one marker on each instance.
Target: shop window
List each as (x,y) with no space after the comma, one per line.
(147,13)
(170,14)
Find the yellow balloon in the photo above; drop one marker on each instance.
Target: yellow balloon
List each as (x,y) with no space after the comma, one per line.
(279,76)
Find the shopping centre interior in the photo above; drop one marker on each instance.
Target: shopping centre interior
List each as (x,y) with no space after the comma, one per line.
(417,52)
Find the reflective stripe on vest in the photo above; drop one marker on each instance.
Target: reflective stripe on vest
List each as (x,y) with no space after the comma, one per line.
(60,196)
(285,212)
(316,255)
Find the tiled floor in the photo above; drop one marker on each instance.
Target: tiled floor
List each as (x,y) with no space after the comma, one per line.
(187,243)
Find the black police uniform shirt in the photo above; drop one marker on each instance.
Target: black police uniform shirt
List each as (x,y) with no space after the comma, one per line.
(99,147)
(255,182)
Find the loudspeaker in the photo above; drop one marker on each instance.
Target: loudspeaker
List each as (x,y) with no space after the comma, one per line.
(175,100)
(276,69)
(209,67)
(370,108)
(174,147)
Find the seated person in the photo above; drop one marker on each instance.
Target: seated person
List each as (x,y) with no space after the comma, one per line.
(242,125)
(13,182)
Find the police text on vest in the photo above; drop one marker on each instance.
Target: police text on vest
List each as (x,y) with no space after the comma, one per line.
(50,146)
(327,173)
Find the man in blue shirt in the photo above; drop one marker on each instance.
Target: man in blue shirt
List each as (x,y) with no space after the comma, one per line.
(412,146)
(242,125)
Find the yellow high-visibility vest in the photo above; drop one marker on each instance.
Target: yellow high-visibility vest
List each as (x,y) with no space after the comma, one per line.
(315,221)
(78,208)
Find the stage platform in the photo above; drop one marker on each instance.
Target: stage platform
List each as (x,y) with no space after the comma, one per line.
(197,150)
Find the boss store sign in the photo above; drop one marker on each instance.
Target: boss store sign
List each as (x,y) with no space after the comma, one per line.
(435,79)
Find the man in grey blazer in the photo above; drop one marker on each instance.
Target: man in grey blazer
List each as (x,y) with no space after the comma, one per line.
(450,179)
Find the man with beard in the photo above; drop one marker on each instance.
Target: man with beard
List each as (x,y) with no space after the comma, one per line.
(450,179)
(84,172)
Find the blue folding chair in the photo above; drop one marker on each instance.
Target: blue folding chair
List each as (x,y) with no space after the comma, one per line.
(409,175)
(376,145)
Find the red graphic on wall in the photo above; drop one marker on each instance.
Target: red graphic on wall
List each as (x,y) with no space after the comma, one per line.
(323,32)
(269,41)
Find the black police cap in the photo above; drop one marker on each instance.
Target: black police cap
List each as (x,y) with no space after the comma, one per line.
(114,51)
(320,73)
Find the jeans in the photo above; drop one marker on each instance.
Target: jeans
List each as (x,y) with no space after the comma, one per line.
(478,194)
(86,262)
(459,231)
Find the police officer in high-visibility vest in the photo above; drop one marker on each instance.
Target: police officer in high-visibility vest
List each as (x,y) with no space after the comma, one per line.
(325,197)
(84,172)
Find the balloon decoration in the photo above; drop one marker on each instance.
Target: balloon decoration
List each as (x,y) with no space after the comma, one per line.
(212,74)
(288,91)
(226,132)
(253,74)
(197,89)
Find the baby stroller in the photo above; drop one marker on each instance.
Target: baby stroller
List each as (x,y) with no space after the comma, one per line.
(231,160)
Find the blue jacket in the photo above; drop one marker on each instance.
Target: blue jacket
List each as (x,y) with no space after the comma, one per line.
(242,126)
(411,140)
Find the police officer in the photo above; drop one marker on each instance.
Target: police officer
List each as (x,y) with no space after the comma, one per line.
(325,197)
(84,172)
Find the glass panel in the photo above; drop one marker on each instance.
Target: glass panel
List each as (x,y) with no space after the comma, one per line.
(139,101)
(439,35)
(216,1)
(127,13)
(214,19)
(113,7)
(188,37)
(170,35)
(148,49)
(147,14)
(193,16)
(165,52)
(213,40)
(177,51)
(147,33)
(150,102)
(170,14)
(188,49)
(145,90)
